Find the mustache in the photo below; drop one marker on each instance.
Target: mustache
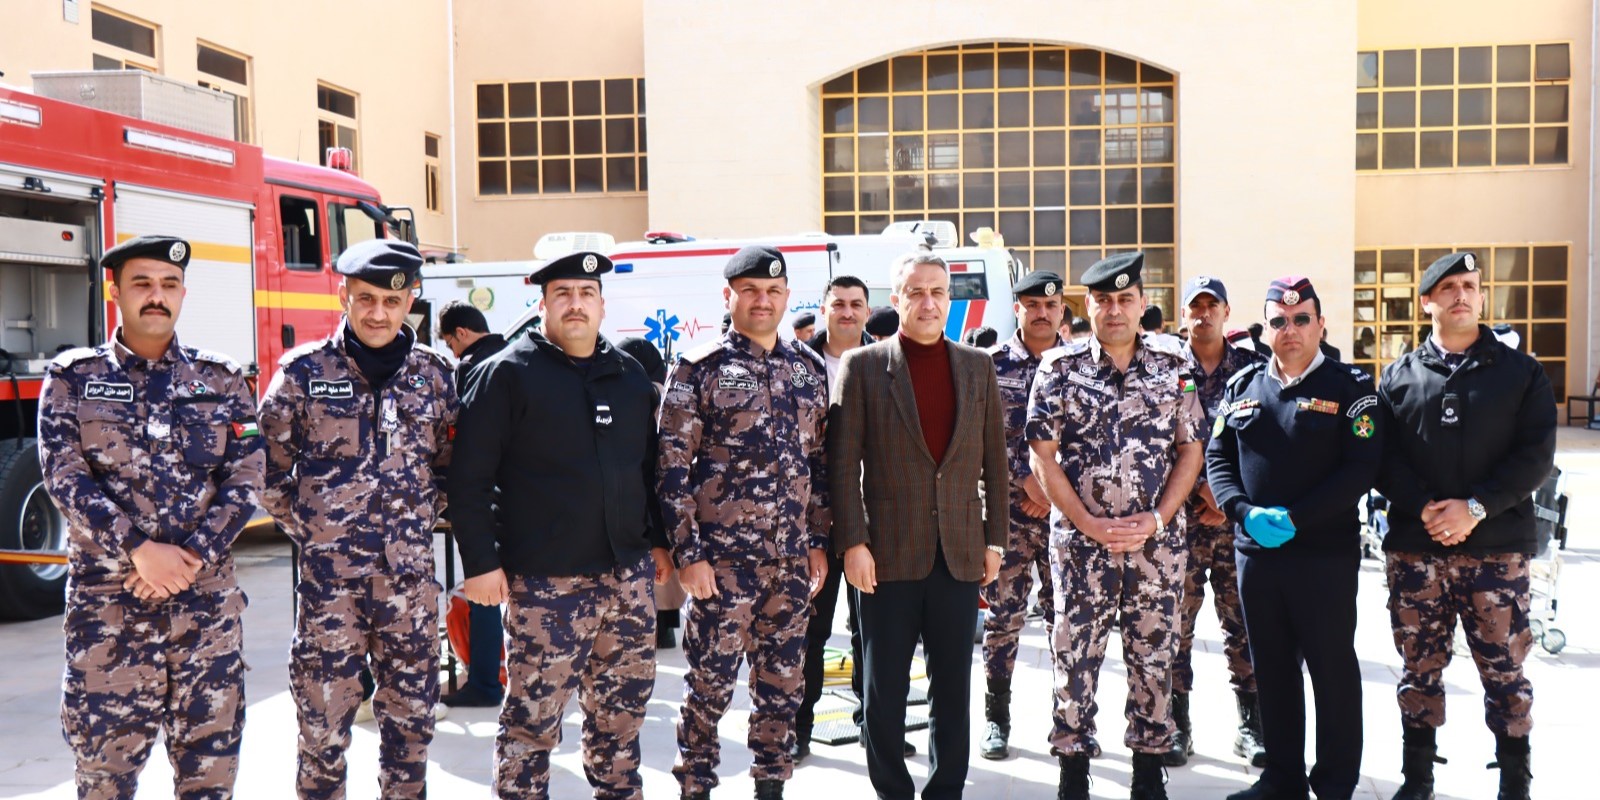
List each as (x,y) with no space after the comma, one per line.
(578,315)
(156,307)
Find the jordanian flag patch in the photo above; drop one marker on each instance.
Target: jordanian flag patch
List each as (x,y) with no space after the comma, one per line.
(1186,384)
(245,430)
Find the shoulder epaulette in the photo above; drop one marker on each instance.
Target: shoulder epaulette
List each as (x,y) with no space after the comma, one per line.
(306,349)
(1359,374)
(69,357)
(701,353)
(1054,354)
(1160,344)
(1245,372)
(806,351)
(213,357)
(438,357)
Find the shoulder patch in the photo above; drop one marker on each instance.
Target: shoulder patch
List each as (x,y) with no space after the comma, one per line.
(300,352)
(1245,372)
(701,353)
(1360,374)
(69,357)
(213,357)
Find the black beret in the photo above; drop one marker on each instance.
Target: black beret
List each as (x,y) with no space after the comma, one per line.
(883,321)
(582,264)
(1291,290)
(1115,273)
(648,357)
(169,249)
(385,263)
(1038,283)
(804,320)
(756,261)
(1444,268)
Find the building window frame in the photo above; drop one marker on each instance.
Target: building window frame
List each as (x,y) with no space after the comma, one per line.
(1470,106)
(431,171)
(1069,152)
(560,138)
(243,94)
(1525,284)
(335,128)
(109,55)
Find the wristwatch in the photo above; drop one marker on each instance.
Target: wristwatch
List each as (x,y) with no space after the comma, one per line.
(1476,509)
(1160,523)
(996,549)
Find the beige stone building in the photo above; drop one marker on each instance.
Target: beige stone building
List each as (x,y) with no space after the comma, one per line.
(1224,138)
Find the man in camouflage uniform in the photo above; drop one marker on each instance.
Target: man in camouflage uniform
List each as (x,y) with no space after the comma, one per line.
(552,496)
(1113,423)
(358,436)
(1459,477)
(744,499)
(1039,311)
(1212,362)
(151,451)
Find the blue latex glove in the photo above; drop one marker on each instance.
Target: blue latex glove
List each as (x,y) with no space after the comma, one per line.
(1270,527)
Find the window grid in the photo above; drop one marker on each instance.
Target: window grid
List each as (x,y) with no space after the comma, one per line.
(561,137)
(1525,285)
(1069,153)
(338,123)
(1463,106)
(228,72)
(430,177)
(132,43)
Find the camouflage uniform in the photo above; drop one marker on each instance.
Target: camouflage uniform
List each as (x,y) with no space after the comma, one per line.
(165,451)
(1118,434)
(356,480)
(1015,368)
(569,613)
(1211,547)
(1489,592)
(743,487)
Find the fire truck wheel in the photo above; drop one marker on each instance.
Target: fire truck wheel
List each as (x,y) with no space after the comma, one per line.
(29,521)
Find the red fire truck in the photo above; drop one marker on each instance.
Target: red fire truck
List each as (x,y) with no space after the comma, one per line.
(76,180)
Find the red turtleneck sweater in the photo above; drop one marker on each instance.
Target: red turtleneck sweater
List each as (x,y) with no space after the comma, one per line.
(935,390)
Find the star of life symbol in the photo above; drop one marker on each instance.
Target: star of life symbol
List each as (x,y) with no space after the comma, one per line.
(659,327)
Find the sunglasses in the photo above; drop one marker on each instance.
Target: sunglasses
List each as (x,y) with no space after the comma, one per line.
(1300,321)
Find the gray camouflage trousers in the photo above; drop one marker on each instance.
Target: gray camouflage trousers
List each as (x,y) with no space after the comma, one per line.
(135,669)
(1211,558)
(1490,595)
(1029,547)
(1137,594)
(761,616)
(594,634)
(391,623)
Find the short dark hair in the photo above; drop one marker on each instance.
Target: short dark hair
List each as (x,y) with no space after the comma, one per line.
(457,314)
(1151,320)
(982,337)
(844,282)
(1081,325)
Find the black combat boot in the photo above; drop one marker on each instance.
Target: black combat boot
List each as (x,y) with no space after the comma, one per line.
(1250,743)
(1417,756)
(997,710)
(1074,777)
(1511,756)
(1183,740)
(769,789)
(1149,779)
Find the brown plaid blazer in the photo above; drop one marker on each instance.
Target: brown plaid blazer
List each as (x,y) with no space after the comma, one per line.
(887,491)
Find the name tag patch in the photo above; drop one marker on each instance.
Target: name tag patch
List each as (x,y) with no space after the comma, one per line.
(1098,386)
(742,384)
(1013,383)
(115,392)
(332,390)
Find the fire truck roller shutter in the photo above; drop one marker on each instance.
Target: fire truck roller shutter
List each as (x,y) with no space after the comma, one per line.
(220,312)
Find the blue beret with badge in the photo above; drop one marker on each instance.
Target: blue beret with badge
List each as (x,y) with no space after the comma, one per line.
(385,263)
(1038,283)
(167,249)
(1444,267)
(582,264)
(756,261)
(1115,273)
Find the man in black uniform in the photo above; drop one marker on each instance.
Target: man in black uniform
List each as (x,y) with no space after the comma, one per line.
(1458,476)
(563,423)
(1296,444)
(465,330)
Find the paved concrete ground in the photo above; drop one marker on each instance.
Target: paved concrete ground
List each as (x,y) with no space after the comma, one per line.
(34,762)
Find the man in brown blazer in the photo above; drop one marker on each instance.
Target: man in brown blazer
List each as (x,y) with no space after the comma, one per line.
(919,475)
